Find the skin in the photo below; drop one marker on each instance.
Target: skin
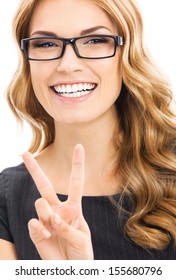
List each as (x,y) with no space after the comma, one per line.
(51,17)
(61,232)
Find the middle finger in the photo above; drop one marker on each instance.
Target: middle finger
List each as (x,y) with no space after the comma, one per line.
(77,175)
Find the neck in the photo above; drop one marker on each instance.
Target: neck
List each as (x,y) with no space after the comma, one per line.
(100,154)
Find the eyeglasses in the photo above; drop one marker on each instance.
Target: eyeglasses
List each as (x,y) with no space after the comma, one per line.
(89,47)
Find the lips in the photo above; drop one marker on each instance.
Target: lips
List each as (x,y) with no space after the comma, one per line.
(74,90)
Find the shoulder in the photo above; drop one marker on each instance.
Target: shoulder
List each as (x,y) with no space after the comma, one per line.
(15,181)
(18,194)
(14,175)
(15,170)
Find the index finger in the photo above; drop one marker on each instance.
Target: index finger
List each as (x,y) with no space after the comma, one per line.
(77,174)
(43,184)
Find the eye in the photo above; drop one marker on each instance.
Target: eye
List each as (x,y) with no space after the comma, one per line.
(97,40)
(43,44)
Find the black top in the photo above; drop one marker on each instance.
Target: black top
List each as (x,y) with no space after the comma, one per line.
(17,196)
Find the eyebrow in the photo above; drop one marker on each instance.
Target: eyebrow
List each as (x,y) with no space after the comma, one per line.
(93,29)
(83,32)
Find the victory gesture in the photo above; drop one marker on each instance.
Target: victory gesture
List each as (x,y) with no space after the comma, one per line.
(61,232)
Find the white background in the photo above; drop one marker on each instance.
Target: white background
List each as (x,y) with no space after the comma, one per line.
(159,21)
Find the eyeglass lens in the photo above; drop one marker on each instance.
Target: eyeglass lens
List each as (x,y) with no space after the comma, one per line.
(89,47)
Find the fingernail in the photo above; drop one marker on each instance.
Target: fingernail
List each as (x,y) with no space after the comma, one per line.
(57,219)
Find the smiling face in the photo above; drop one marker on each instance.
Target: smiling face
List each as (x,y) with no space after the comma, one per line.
(73,89)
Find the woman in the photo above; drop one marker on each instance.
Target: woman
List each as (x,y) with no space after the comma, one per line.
(86,84)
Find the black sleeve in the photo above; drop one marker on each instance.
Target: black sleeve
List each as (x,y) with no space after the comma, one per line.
(4,224)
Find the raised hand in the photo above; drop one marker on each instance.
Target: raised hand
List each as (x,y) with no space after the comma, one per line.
(61,232)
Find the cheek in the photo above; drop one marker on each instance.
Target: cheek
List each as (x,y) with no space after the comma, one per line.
(113,78)
(38,78)
(35,77)
(39,72)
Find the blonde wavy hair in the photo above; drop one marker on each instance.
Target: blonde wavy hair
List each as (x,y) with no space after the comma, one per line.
(148,153)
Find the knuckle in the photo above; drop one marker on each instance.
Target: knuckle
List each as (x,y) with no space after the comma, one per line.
(38,202)
(32,227)
(30,223)
(76,182)
(33,224)
(64,228)
(74,209)
(35,230)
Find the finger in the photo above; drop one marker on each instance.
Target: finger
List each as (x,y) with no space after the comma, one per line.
(77,174)
(73,235)
(44,210)
(44,186)
(37,231)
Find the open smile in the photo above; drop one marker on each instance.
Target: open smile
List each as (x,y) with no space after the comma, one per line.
(74,90)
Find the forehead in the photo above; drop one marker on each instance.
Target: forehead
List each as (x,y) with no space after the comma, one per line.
(68,17)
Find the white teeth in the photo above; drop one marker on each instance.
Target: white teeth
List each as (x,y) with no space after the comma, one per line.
(75,94)
(80,87)
(85,87)
(68,88)
(75,90)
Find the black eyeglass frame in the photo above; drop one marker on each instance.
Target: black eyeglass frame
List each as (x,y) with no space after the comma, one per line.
(118,41)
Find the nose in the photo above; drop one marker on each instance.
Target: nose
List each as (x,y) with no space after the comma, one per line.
(69,62)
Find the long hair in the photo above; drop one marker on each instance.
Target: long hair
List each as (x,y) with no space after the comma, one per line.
(148,152)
